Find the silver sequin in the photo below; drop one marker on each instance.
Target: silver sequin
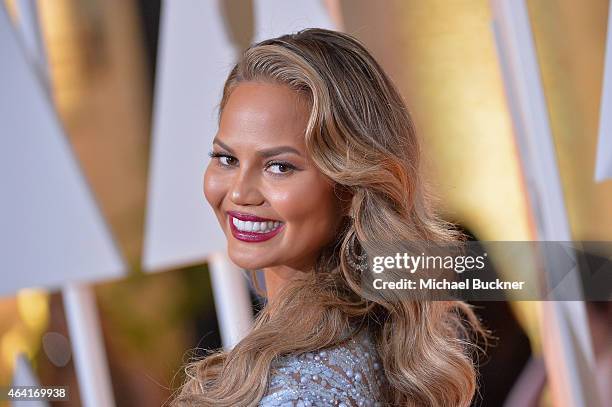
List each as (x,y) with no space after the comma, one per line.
(347,375)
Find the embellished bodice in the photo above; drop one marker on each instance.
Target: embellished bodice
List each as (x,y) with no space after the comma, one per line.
(343,376)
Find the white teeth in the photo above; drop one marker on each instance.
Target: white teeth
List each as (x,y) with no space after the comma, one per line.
(258,227)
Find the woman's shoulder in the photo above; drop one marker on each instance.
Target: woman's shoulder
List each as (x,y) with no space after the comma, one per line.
(346,375)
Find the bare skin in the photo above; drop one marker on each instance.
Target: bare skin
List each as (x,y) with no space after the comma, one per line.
(261,168)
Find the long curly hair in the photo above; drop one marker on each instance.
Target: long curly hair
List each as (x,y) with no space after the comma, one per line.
(361,136)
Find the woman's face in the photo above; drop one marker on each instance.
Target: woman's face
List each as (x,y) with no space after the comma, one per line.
(274,206)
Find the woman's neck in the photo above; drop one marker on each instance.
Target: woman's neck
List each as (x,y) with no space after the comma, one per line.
(277,277)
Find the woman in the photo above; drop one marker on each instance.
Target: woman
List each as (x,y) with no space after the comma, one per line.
(315,155)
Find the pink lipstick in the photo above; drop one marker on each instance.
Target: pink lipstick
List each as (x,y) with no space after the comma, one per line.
(250,228)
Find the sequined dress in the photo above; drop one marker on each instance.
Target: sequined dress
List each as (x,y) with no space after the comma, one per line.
(343,376)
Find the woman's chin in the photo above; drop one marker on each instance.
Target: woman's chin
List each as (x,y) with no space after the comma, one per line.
(248,262)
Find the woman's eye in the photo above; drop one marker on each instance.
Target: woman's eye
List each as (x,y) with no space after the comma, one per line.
(280,168)
(224,160)
(227,160)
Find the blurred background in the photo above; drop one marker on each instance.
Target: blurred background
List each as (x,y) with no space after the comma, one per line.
(102,58)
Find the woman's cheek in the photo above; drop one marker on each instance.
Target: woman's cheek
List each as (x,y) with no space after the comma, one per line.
(303,202)
(287,200)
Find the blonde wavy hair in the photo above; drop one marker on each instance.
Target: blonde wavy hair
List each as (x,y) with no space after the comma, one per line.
(360,135)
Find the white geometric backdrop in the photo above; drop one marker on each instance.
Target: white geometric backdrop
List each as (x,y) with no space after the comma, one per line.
(51,230)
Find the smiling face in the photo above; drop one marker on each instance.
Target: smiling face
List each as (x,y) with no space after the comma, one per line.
(274,206)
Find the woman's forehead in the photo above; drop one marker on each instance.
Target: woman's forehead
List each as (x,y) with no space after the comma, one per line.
(268,113)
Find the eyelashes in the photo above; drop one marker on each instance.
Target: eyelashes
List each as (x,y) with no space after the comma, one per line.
(279,164)
(225,160)
(222,156)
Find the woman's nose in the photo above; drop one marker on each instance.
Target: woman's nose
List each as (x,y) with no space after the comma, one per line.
(245,190)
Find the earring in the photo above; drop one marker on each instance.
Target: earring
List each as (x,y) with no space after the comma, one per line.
(362,260)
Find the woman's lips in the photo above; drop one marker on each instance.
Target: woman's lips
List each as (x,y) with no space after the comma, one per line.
(251,228)
(248,217)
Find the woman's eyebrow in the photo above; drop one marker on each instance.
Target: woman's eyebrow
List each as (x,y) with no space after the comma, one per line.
(270,152)
(223,145)
(266,153)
